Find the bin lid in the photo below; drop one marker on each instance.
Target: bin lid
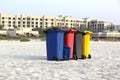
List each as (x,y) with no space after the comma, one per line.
(88,32)
(54,30)
(70,30)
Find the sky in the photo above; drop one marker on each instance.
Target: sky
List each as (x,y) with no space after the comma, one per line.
(107,10)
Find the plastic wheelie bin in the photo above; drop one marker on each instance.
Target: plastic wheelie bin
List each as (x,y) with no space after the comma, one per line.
(86,44)
(77,52)
(54,44)
(69,40)
(66,53)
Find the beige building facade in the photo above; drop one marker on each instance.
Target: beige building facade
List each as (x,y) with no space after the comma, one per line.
(32,21)
(8,21)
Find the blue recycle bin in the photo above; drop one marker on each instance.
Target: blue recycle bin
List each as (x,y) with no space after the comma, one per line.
(54,44)
(66,53)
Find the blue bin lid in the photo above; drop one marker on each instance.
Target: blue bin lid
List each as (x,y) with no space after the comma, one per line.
(55,30)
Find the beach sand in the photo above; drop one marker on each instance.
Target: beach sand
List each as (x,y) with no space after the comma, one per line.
(27,61)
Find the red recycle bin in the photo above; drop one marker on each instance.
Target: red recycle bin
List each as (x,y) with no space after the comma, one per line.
(69,40)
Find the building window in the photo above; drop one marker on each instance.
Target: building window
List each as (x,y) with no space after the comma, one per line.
(13,22)
(23,25)
(23,18)
(28,18)
(32,25)
(18,18)
(71,20)
(9,18)
(9,25)
(32,22)
(46,26)
(46,19)
(36,22)
(14,26)
(41,26)
(88,23)
(23,22)
(40,19)
(3,18)
(18,22)
(102,24)
(52,23)
(28,22)
(36,26)
(36,18)
(51,19)
(41,23)
(102,27)
(98,25)
(46,23)
(66,20)
(28,25)
(66,23)
(13,18)
(9,22)
(32,18)
(58,24)
(18,25)
(3,22)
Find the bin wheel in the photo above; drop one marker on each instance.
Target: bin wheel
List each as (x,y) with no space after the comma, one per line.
(75,57)
(64,57)
(55,58)
(89,56)
(83,57)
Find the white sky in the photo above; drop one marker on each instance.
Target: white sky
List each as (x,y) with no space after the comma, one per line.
(108,10)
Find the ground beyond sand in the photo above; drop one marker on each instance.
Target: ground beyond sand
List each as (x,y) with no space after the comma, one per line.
(27,61)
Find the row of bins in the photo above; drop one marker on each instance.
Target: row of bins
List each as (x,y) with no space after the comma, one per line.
(66,44)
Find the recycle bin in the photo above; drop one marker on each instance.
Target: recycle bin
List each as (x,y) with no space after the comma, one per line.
(66,53)
(86,44)
(77,52)
(69,40)
(54,44)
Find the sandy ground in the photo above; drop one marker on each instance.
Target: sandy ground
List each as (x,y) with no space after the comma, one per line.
(27,61)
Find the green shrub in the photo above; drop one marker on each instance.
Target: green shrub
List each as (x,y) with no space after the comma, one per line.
(43,37)
(24,39)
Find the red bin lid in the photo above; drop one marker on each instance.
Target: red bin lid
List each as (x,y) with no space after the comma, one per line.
(71,30)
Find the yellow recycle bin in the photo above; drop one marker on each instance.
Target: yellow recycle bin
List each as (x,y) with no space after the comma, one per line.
(86,44)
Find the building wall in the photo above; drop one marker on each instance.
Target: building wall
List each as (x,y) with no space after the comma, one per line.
(106,35)
(34,21)
(48,21)
(7,20)
(117,27)
(94,25)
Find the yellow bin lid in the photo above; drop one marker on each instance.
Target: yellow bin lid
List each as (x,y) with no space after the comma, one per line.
(88,32)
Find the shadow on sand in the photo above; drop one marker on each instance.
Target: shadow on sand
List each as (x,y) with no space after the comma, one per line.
(25,57)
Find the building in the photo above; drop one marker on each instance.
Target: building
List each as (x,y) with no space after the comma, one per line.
(109,27)
(32,21)
(106,35)
(117,27)
(95,25)
(8,21)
